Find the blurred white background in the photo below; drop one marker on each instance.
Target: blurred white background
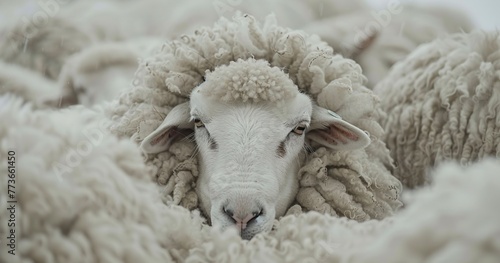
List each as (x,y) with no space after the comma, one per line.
(485,13)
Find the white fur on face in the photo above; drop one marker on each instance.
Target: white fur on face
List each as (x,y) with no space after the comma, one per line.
(249,158)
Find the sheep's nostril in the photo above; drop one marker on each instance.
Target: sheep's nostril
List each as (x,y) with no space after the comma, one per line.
(258,213)
(255,215)
(240,217)
(228,212)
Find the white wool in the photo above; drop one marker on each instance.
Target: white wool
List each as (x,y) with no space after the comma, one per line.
(103,71)
(149,17)
(249,80)
(74,26)
(329,8)
(83,195)
(377,39)
(363,185)
(114,20)
(442,103)
(44,48)
(104,208)
(452,220)
(29,85)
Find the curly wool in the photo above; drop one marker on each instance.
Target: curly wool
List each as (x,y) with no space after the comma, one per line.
(443,103)
(247,81)
(51,46)
(450,221)
(356,184)
(104,208)
(82,194)
(378,39)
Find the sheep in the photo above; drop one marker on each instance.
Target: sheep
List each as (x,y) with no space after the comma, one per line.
(102,71)
(77,29)
(82,194)
(442,104)
(43,48)
(357,183)
(379,39)
(449,221)
(250,131)
(149,17)
(29,85)
(88,26)
(101,205)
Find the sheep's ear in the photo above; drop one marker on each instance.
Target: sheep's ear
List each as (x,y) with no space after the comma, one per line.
(327,128)
(175,126)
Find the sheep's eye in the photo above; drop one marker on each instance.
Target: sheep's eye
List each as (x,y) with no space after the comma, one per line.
(300,129)
(198,123)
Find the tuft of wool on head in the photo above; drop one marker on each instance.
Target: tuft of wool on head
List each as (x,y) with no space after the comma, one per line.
(249,81)
(443,103)
(355,184)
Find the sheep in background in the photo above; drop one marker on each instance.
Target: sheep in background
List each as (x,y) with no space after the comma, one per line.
(356,184)
(51,44)
(89,26)
(99,205)
(452,220)
(442,104)
(29,85)
(40,52)
(103,71)
(115,20)
(83,194)
(171,18)
(329,8)
(43,49)
(378,39)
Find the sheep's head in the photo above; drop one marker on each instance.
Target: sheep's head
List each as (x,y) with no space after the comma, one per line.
(251,123)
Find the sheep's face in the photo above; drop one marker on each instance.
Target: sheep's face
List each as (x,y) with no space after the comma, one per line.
(250,153)
(249,157)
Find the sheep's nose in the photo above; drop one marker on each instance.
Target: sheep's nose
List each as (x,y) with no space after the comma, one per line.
(242,219)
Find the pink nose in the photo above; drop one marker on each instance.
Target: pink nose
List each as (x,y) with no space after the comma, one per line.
(242,221)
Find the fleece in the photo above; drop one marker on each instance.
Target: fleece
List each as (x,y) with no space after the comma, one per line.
(84,195)
(61,40)
(355,184)
(377,39)
(103,71)
(443,103)
(45,48)
(29,85)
